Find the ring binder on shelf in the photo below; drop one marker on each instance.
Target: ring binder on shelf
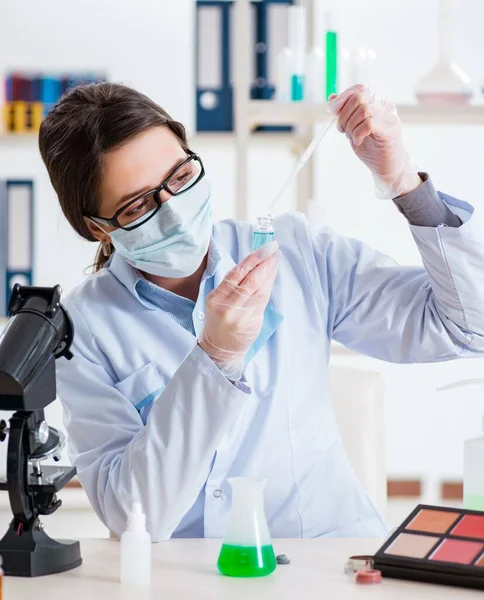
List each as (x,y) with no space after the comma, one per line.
(215,68)
(214,89)
(3,248)
(16,230)
(30,96)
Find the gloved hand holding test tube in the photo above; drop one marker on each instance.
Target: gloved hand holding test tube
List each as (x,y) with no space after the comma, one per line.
(264,231)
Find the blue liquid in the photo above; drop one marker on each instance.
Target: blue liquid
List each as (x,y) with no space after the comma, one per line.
(297,88)
(260,238)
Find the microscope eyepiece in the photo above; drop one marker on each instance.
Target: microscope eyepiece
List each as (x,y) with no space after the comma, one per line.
(39,331)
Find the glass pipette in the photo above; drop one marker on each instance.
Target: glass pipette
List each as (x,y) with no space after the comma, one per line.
(303,160)
(264,232)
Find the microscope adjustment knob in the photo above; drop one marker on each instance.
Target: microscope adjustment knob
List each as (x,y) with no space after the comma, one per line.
(3,430)
(42,433)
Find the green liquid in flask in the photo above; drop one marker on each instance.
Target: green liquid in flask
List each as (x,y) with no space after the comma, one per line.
(246,561)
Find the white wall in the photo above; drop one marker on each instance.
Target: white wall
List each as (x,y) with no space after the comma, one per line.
(146,44)
(149,44)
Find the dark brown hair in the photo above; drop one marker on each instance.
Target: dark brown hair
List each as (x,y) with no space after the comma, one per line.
(86,123)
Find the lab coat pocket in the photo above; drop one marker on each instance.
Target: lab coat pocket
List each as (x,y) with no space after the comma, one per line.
(142,388)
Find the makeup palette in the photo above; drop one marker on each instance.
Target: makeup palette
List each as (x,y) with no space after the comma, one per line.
(436,545)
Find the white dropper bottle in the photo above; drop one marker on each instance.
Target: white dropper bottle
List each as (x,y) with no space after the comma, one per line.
(136,549)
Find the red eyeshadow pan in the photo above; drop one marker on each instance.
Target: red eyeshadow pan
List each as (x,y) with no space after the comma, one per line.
(457,551)
(471,526)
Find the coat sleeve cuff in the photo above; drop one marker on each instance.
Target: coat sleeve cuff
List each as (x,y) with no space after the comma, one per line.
(425,208)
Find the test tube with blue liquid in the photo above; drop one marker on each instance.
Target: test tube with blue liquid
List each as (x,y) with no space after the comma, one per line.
(264,230)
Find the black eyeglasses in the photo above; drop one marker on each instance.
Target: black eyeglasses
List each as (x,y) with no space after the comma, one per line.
(138,211)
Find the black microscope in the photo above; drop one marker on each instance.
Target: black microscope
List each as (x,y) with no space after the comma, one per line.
(39,331)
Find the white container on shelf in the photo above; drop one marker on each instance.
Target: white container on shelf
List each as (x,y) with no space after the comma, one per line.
(315,75)
(361,66)
(284,68)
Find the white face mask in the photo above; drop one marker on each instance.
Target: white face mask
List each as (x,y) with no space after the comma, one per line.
(174,242)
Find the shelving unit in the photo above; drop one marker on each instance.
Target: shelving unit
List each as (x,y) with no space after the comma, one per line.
(248,114)
(261,138)
(18,136)
(303,113)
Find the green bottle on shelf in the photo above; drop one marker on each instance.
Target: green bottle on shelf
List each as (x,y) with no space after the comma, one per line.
(331,58)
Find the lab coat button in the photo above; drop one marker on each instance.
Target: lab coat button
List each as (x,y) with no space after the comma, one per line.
(217,493)
(201,315)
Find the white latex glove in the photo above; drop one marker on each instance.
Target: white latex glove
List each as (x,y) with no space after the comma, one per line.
(375,132)
(234,311)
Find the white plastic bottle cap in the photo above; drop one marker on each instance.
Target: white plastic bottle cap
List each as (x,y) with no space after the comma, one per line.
(137,518)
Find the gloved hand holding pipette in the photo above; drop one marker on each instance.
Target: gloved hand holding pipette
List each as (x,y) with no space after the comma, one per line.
(374,129)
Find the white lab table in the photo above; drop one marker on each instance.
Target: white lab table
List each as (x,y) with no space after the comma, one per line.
(186,569)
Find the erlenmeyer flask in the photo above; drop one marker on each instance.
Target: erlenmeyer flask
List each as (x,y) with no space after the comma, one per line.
(247,549)
(446,83)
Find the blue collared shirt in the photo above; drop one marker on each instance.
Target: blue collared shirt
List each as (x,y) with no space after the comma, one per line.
(151,418)
(181,309)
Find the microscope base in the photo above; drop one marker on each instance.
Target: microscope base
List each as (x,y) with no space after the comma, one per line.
(34,553)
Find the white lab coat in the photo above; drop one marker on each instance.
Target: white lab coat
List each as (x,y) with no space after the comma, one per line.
(150,417)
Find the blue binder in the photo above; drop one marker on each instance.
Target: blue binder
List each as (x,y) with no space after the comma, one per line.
(16,227)
(214,61)
(263,89)
(50,90)
(214,89)
(3,248)
(9,88)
